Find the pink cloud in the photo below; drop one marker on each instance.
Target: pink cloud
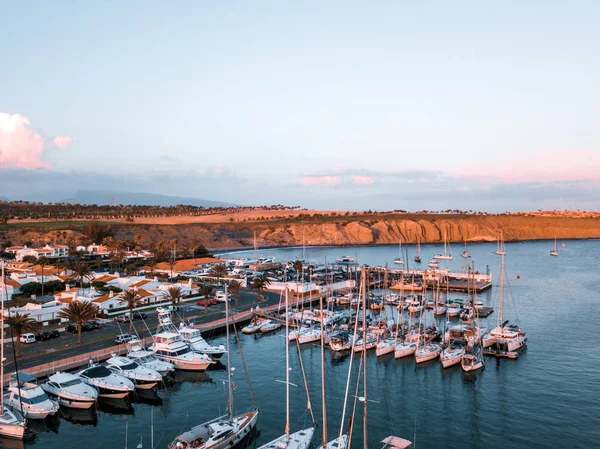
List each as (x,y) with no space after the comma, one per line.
(62,141)
(19,146)
(363,179)
(321,180)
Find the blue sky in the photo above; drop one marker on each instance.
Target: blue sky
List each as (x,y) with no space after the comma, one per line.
(418,105)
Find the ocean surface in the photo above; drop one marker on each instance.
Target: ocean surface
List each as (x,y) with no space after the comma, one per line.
(547,398)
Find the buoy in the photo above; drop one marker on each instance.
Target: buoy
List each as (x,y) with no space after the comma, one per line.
(518,276)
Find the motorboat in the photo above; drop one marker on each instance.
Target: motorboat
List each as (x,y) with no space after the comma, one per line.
(345,259)
(427,352)
(309,335)
(219,433)
(340,341)
(414,306)
(440,310)
(272,326)
(512,336)
(12,424)
(194,339)
(109,384)
(26,396)
(393,442)
(70,391)
(170,347)
(433,264)
(144,378)
(398,261)
(254,326)
(452,355)
(404,349)
(453,310)
(147,358)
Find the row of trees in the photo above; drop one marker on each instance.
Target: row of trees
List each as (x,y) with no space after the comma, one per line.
(53,211)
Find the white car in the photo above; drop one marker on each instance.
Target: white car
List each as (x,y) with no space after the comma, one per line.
(220,296)
(27,338)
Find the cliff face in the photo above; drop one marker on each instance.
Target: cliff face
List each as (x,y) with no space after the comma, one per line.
(471,229)
(340,231)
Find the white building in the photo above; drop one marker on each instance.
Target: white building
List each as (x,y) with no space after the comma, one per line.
(49,251)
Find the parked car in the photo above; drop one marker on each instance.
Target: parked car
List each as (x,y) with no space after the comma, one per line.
(74,328)
(220,296)
(47,335)
(27,338)
(96,324)
(211,302)
(123,319)
(124,338)
(139,316)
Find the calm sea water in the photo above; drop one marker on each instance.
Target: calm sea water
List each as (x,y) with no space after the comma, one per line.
(547,398)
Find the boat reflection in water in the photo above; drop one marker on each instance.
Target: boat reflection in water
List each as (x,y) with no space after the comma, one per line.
(195,377)
(49,424)
(149,397)
(9,443)
(83,417)
(115,406)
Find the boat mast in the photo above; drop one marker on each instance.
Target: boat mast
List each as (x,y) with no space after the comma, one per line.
(323,375)
(501,296)
(287,371)
(229,392)
(364,294)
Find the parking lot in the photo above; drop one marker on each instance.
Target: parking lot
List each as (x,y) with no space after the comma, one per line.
(66,345)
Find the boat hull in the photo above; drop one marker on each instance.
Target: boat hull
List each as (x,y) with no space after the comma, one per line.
(404,351)
(426,357)
(75,403)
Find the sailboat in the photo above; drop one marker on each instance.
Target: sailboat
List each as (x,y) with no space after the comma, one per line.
(444,255)
(226,431)
(398,260)
(466,254)
(12,424)
(302,438)
(501,250)
(510,337)
(472,359)
(418,256)
(554,252)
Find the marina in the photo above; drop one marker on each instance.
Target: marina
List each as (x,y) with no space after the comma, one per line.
(412,391)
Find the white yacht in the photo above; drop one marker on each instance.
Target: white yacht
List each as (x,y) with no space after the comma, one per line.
(386,346)
(12,424)
(109,384)
(472,360)
(271,327)
(297,440)
(304,335)
(70,391)
(28,397)
(198,344)
(433,264)
(338,443)
(345,259)
(136,352)
(144,378)
(170,347)
(219,433)
(254,326)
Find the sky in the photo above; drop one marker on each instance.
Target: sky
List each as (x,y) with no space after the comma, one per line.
(336,105)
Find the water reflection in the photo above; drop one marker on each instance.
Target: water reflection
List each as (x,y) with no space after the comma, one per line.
(115,406)
(86,417)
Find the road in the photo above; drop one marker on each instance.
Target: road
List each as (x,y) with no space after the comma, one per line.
(66,345)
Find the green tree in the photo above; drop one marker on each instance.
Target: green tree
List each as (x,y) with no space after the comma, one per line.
(42,262)
(205,290)
(21,324)
(174,295)
(260,284)
(81,272)
(29,259)
(79,312)
(131,300)
(219,271)
(234,289)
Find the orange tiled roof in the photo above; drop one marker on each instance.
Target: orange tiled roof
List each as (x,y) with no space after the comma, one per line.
(188,264)
(140,283)
(12,283)
(144,293)
(103,299)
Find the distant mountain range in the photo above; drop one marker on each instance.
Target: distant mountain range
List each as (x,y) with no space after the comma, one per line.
(102,197)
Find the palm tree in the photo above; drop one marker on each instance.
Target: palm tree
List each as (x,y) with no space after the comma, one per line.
(174,295)
(234,288)
(205,291)
(79,312)
(260,283)
(42,262)
(218,271)
(81,272)
(131,300)
(21,324)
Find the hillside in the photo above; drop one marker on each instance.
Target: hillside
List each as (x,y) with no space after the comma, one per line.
(134,198)
(297,229)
